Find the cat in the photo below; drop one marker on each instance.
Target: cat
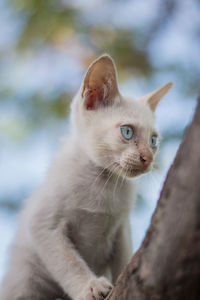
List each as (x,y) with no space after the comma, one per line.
(73,238)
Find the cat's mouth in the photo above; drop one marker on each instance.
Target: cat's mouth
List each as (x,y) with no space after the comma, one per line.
(132,171)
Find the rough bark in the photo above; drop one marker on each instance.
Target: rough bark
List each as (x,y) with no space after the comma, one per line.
(167,265)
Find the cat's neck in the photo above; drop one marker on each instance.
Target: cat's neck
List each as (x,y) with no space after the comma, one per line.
(95,187)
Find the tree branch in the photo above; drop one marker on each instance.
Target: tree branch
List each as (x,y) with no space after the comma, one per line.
(167,265)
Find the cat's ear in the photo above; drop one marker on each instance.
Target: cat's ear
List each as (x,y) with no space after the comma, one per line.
(100,83)
(154,97)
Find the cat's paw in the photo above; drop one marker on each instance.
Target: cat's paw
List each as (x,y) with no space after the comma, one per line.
(96,289)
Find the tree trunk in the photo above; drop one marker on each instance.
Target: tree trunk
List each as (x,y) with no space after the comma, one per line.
(167,265)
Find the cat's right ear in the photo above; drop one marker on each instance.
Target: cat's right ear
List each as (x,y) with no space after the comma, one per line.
(100,83)
(154,97)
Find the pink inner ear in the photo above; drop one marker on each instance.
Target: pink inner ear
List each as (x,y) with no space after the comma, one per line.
(93,96)
(100,84)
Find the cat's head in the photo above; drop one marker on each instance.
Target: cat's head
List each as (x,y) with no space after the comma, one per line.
(117,132)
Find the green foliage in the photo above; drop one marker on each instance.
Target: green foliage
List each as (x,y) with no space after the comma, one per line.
(44,20)
(67,29)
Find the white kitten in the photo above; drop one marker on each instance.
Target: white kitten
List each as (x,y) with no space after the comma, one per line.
(74,230)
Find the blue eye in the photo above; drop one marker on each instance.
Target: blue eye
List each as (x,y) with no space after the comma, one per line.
(153,141)
(127,132)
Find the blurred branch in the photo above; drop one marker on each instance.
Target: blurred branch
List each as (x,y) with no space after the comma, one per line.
(165,12)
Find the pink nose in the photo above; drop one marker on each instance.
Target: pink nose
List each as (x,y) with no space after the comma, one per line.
(146,159)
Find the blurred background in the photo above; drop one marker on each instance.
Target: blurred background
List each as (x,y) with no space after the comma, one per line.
(45,47)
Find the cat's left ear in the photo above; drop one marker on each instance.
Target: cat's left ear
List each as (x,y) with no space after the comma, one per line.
(100,83)
(154,97)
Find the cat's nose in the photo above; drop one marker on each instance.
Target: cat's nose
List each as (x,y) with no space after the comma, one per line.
(146,159)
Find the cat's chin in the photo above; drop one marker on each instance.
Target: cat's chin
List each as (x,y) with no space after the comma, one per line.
(133,172)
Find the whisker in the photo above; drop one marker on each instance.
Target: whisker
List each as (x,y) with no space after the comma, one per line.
(114,190)
(123,179)
(101,172)
(109,177)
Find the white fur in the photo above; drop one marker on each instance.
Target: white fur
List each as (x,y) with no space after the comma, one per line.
(74,231)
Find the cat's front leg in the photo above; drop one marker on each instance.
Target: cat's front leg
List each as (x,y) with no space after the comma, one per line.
(96,289)
(64,263)
(122,250)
